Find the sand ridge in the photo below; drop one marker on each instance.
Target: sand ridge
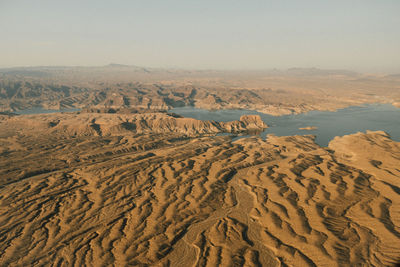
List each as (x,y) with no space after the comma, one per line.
(73,124)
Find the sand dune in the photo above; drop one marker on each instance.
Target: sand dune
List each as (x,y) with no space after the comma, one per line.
(165,198)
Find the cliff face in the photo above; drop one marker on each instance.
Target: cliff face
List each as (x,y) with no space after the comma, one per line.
(115,124)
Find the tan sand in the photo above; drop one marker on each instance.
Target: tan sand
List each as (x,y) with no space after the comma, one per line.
(165,198)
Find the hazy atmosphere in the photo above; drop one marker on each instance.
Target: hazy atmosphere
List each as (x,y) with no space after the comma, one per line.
(361,35)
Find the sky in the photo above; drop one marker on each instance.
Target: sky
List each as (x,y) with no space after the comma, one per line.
(360,35)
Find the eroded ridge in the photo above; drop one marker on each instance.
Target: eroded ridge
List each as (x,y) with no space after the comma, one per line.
(168,199)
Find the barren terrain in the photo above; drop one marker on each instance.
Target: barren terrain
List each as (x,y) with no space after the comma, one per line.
(118,86)
(122,182)
(151,189)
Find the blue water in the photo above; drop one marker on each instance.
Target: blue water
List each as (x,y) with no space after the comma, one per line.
(350,120)
(44,111)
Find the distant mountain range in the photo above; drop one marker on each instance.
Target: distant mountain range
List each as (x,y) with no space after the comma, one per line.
(275,92)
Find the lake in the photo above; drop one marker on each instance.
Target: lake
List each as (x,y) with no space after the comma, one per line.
(329,124)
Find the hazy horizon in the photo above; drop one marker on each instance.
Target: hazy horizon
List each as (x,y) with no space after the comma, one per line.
(356,35)
(191,69)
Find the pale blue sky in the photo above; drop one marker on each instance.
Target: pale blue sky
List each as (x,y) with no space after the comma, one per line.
(362,35)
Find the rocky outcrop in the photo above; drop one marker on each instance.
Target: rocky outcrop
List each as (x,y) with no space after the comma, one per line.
(253,122)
